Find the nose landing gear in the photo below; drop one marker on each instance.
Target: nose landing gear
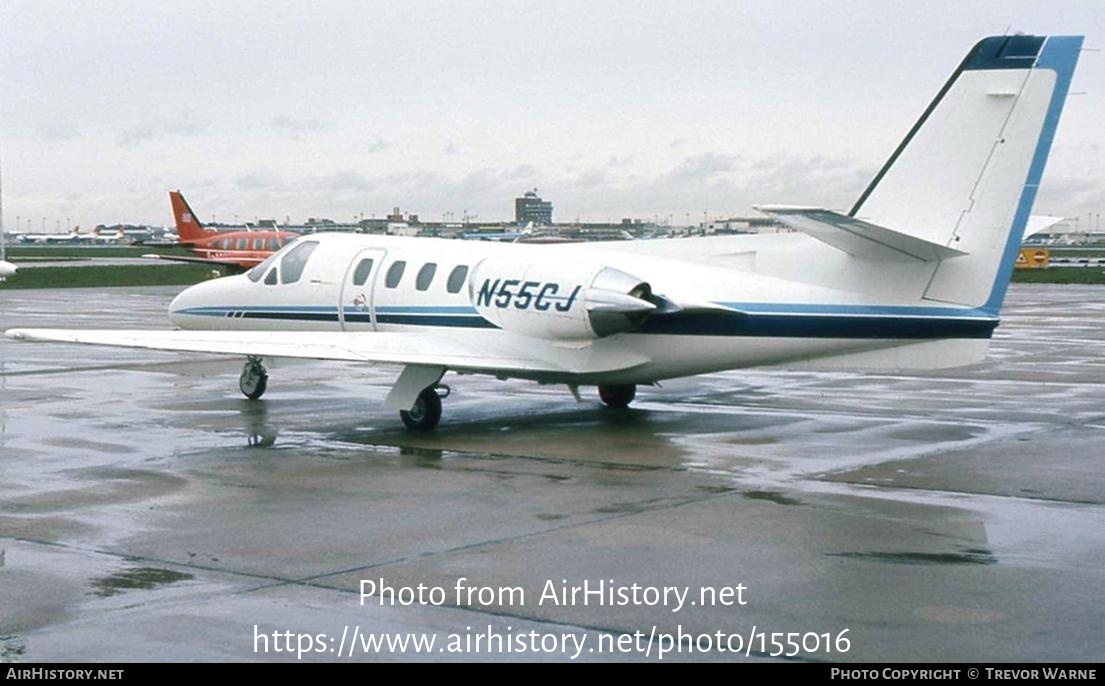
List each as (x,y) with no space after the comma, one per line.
(254,379)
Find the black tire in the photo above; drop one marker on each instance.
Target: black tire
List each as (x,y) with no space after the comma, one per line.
(426,412)
(251,385)
(618,397)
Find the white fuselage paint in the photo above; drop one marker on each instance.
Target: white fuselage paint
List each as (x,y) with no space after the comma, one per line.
(327,298)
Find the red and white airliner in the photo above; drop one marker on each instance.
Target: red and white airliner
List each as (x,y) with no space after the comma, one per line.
(239,250)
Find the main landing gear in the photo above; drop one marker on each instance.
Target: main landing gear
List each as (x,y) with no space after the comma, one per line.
(426,411)
(254,379)
(617,397)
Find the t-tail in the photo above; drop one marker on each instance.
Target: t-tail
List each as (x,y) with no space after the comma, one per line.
(965,177)
(188,227)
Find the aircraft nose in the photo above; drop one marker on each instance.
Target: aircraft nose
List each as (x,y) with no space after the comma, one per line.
(190,302)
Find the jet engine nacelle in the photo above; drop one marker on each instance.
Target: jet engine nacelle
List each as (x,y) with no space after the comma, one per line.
(559,301)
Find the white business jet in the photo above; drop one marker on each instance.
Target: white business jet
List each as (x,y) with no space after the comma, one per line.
(912,276)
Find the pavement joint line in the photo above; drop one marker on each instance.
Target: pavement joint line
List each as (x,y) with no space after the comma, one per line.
(812,413)
(897,489)
(310,580)
(132,557)
(307,581)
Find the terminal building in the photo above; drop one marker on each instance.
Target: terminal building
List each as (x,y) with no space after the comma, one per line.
(531,208)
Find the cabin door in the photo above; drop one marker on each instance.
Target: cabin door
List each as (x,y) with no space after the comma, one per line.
(356,309)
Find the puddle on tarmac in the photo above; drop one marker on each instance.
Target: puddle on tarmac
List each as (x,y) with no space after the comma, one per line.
(11,649)
(966,557)
(138,578)
(772,496)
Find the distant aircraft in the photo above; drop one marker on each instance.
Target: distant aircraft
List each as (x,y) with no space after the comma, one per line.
(99,238)
(237,249)
(72,236)
(6,268)
(913,276)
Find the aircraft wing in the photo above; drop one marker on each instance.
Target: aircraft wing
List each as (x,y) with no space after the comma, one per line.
(452,350)
(242,262)
(167,244)
(857,237)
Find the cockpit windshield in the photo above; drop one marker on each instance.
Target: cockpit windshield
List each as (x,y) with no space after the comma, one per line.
(293,261)
(257,272)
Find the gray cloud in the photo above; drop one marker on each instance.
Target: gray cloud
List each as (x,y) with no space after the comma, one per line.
(300,125)
(58,130)
(377,145)
(1058,194)
(134,135)
(258,180)
(719,183)
(704,167)
(181,124)
(345,180)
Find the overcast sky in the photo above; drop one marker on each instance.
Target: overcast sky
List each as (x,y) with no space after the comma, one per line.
(611,109)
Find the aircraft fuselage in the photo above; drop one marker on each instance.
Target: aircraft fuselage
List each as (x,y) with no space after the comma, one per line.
(542,300)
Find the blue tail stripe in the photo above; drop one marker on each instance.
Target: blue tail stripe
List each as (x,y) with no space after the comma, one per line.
(1060,54)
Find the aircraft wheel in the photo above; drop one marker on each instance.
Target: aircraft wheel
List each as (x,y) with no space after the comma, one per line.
(617,397)
(426,412)
(254,379)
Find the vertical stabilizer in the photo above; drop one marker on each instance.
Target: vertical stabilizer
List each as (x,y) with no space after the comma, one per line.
(966,175)
(188,227)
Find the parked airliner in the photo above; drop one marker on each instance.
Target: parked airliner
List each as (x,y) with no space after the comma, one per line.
(912,276)
(72,236)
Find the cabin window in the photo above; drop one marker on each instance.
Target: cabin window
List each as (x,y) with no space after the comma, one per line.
(274,244)
(425,276)
(243,244)
(293,263)
(225,244)
(395,273)
(360,274)
(270,280)
(258,243)
(456,278)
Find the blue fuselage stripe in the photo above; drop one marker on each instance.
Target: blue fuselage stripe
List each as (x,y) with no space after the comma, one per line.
(806,326)
(789,322)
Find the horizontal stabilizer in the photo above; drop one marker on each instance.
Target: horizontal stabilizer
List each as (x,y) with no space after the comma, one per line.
(857,237)
(1040,222)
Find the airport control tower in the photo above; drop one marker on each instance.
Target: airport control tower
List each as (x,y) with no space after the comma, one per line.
(531,208)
